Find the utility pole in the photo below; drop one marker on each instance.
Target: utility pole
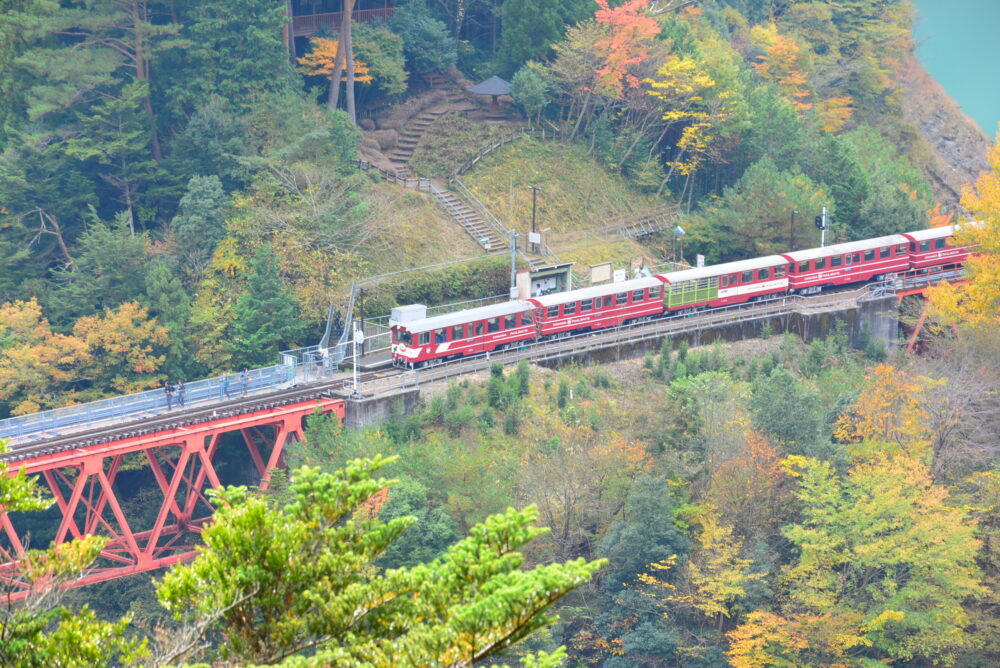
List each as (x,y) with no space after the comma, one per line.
(791,232)
(361,308)
(534,202)
(513,260)
(822,240)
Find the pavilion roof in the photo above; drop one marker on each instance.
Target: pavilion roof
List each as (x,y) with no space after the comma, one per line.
(492,86)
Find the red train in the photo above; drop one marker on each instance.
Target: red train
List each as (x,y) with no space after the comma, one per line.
(436,339)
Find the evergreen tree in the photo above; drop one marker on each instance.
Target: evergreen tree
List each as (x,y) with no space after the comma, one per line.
(312,585)
(169,303)
(110,269)
(648,535)
(531,27)
(267,316)
(427,45)
(200,223)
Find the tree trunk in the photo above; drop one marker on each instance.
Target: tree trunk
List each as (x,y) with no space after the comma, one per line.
(139,18)
(338,71)
(345,35)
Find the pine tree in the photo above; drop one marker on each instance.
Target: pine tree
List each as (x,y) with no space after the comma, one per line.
(267,316)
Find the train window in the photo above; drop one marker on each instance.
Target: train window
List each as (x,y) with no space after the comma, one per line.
(725,281)
(763,274)
(925,246)
(884,253)
(553,312)
(526,318)
(569,309)
(586,305)
(510,321)
(901,249)
(637,295)
(850,259)
(621,299)
(479,328)
(803,267)
(607,302)
(425,338)
(457,332)
(869,255)
(836,261)
(654,292)
(747,277)
(439,335)
(857,258)
(493,325)
(780,270)
(821,263)
(939,243)
(405,338)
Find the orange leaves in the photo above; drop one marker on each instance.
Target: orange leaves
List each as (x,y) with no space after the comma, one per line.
(782,63)
(320,61)
(625,46)
(835,112)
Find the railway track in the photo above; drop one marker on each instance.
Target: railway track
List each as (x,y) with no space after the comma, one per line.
(395,379)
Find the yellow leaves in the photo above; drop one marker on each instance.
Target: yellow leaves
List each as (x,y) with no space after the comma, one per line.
(977,303)
(321,59)
(891,411)
(228,259)
(765,639)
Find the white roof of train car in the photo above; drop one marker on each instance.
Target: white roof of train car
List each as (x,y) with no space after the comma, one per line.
(722,269)
(933,233)
(597,291)
(462,317)
(849,247)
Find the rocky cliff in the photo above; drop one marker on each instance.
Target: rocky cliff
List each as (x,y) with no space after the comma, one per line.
(957,145)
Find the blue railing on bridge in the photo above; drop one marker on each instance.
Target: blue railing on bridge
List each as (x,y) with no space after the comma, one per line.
(151,403)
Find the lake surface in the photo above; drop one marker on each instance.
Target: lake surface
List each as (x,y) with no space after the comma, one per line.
(958,41)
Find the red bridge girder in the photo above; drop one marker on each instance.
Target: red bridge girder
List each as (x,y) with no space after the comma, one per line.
(182,461)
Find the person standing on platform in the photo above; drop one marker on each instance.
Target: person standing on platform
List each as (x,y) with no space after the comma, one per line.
(224,388)
(168,390)
(180,394)
(245,381)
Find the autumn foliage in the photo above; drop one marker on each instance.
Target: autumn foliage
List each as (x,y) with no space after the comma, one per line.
(321,61)
(626,44)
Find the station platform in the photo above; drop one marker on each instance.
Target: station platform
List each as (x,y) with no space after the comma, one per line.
(379,360)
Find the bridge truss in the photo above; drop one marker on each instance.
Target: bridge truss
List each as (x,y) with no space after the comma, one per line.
(185,464)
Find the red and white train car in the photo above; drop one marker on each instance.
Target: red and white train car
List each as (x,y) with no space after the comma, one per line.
(936,247)
(599,306)
(815,268)
(468,332)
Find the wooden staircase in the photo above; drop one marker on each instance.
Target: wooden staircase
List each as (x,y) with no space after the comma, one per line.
(463,214)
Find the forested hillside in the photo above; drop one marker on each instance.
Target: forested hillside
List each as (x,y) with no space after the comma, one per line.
(179,197)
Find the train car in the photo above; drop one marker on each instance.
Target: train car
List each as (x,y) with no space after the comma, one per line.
(813,269)
(724,284)
(935,248)
(469,332)
(600,306)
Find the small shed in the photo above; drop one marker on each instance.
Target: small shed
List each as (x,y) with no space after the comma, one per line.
(495,87)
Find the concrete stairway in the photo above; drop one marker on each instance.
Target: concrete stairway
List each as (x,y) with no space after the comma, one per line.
(411,135)
(463,214)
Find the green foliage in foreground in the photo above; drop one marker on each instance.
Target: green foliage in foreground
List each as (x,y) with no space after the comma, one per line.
(277,581)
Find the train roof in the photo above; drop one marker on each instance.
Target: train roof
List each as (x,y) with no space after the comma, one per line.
(933,233)
(462,317)
(849,247)
(596,291)
(721,269)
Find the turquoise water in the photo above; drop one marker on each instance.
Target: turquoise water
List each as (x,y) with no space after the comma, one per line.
(958,41)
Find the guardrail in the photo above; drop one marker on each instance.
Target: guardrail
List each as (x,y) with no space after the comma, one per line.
(117,410)
(480,208)
(412,182)
(503,139)
(678,323)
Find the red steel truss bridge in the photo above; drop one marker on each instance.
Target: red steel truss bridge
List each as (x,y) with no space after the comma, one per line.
(183,452)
